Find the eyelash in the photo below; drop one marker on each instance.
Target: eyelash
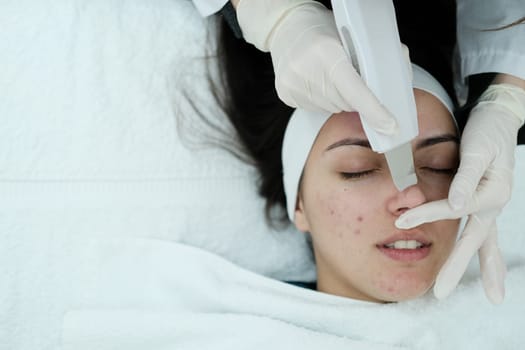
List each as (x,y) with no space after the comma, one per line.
(357,175)
(446,171)
(361,174)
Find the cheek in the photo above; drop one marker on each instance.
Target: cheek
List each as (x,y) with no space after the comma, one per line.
(357,230)
(447,231)
(339,213)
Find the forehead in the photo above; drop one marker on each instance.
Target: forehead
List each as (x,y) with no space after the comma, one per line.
(433,119)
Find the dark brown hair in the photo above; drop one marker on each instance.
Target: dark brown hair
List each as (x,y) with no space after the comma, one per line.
(257,114)
(506,26)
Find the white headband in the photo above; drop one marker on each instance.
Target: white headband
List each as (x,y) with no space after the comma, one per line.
(304,126)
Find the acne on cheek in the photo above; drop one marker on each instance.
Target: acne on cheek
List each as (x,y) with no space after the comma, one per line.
(334,216)
(357,231)
(338,211)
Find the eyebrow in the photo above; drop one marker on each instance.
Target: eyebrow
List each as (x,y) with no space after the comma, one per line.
(421,144)
(349,142)
(437,139)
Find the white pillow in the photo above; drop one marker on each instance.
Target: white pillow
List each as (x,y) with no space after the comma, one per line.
(91,100)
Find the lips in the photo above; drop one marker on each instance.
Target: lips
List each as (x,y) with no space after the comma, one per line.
(406,236)
(407,247)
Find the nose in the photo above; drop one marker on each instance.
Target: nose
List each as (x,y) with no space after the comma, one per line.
(409,198)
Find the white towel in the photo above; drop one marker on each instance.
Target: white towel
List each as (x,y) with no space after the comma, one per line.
(180,297)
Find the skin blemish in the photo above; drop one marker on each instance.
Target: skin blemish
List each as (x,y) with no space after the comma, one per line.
(357,232)
(360,218)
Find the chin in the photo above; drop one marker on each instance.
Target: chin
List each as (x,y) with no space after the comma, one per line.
(406,289)
(409,295)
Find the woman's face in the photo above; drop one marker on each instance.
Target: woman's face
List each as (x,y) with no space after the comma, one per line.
(348,203)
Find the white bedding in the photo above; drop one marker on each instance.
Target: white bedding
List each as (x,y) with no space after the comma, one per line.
(179,297)
(90,157)
(90,101)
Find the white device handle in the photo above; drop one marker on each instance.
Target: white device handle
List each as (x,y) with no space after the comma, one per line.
(369,33)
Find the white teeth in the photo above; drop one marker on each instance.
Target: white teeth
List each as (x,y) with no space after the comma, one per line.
(411,244)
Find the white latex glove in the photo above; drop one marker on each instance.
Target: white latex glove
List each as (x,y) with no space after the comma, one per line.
(312,69)
(481,188)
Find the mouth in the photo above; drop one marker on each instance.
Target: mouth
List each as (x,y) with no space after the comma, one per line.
(406,248)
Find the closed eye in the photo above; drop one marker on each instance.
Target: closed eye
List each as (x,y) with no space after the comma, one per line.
(444,171)
(356,175)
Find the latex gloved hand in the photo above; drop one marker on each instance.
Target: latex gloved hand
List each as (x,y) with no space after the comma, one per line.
(312,69)
(481,188)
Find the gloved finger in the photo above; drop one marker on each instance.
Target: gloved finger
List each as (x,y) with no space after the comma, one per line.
(429,212)
(471,169)
(297,99)
(495,188)
(359,97)
(491,194)
(312,100)
(492,267)
(322,105)
(329,92)
(473,236)
(338,101)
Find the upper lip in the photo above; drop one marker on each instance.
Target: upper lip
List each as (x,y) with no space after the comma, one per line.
(406,236)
